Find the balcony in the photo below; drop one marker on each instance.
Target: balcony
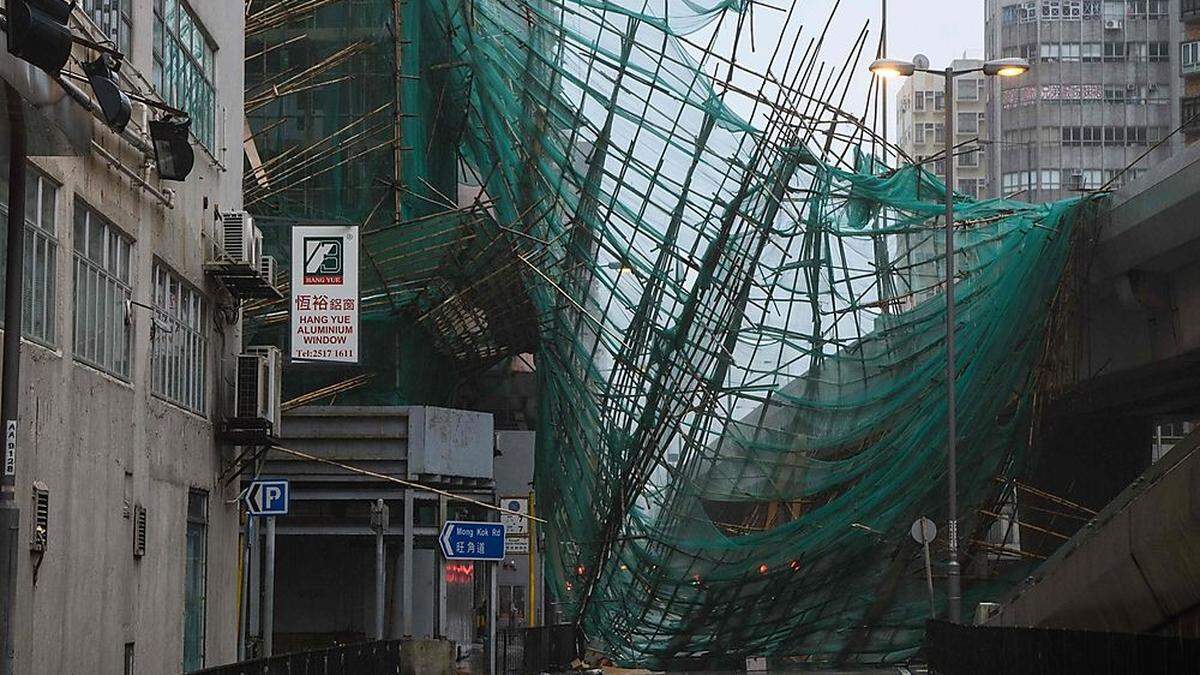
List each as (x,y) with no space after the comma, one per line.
(1189,10)
(1190,114)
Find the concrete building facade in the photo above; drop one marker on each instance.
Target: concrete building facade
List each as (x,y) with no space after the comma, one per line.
(920,124)
(1189,69)
(118,400)
(1105,88)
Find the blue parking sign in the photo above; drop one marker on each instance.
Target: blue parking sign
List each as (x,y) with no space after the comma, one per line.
(266,498)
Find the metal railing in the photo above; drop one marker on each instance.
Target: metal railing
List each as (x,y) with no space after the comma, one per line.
(364,658)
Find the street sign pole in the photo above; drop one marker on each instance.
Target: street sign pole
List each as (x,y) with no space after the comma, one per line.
(268,621)
(493,615)
(10,388)
(923,531)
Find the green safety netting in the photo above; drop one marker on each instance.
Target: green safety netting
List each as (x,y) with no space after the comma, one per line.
(735,304)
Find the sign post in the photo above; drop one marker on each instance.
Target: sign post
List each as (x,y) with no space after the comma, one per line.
(468,540)
(325,294)
(266,498)
(923,531)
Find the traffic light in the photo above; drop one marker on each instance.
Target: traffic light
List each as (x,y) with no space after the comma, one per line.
(172,148)
(38,33)
(114,104)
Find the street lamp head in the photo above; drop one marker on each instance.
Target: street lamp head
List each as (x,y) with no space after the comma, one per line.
(1006,67)
(889,68)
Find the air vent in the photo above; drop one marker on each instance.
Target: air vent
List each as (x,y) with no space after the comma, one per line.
(139,530)
(40,536)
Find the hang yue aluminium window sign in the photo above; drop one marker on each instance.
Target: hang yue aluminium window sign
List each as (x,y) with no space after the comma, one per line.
(324,304)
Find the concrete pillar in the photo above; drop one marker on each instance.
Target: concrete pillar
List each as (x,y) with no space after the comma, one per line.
(396,629)
(379,523)
(407,572)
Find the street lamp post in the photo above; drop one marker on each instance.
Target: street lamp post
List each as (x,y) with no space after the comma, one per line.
(1003,68)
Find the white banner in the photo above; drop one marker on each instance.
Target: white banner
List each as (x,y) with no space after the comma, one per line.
(325,294)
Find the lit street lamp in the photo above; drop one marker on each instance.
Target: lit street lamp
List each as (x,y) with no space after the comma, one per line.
(887,68)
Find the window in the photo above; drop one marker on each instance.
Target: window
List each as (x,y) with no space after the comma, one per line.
(1028,12)
(1050,180)
(967,89)
(972,187)
(1091,9)
(177,341)
(929,132)
(102,284)
(1189,56)
(1009,14)
(1160,52)
(1091,52)
(928,100)
(1137,51)
(40,259)
(1114,51)
(968,160)
(114,18)
(1114,93)
(194,580)
(969,122)
(184,66)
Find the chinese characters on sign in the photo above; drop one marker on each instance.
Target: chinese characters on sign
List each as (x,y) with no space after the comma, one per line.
(325,294)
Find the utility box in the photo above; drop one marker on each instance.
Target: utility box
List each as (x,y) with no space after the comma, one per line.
(450,442)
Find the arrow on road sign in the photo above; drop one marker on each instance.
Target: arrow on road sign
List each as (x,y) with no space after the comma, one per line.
(266,498)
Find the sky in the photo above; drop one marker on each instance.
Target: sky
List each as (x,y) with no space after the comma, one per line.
(939,29)
(943,30)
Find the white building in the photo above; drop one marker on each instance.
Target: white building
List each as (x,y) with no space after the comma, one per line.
(118,401)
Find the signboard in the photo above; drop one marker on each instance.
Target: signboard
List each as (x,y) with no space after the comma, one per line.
(518,545)
(10,448)
(515,525)
(923,530)
(266,498)
(461,540)
(325,294)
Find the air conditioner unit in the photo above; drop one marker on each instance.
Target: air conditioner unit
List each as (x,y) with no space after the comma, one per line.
(266,268)
(1113,24)
(240,239)
(259,385)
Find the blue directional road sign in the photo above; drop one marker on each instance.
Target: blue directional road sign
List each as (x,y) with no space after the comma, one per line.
(472,541)
(266,498)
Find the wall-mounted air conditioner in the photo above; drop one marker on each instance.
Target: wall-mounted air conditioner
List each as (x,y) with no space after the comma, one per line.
(240,239)
(266,268)
(259,385)
(1113,24)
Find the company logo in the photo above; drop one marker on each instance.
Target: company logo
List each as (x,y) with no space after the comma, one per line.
(324,263)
